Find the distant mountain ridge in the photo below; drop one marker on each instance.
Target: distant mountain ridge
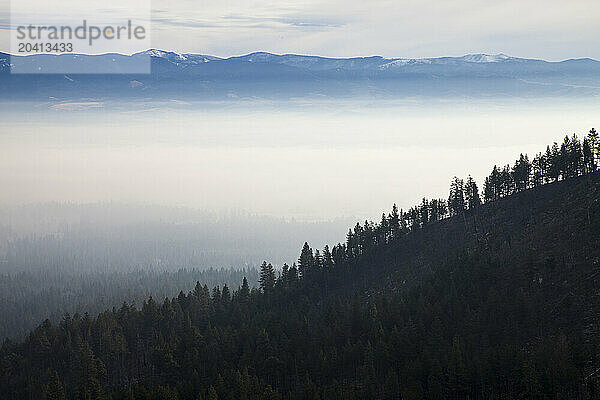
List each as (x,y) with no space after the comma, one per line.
(309,62)
(306,61)
(268,75)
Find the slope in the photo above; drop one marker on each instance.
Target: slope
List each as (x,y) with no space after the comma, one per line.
(498,302)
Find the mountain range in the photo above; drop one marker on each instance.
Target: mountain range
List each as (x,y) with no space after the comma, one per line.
(267,75)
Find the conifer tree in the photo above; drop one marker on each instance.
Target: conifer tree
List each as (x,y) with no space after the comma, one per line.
(306,260)
(521,172)
(244,291)
(225,294)
(506,181)
(538,170)
(595,146)
(491,187)
(554,162)
(285,270)
(338,254)
(318,260)
(267,277)
(589,163)
(383,230)
(456,199)
(293,273)
(327,258)
(572,156)
(472,193)
(424,211)
(394,222)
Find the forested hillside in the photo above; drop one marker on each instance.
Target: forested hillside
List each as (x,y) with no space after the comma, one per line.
(493,298)
(29,297)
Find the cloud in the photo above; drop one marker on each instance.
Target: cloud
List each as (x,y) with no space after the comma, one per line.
(233,21)
(299,21)
(178,22)
(391,28)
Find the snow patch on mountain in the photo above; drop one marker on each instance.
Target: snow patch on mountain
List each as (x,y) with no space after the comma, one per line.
(4,61)
(469,58)
(401,62)
(179,58)
(486,58)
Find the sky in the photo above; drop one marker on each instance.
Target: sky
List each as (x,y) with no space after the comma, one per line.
(551,30)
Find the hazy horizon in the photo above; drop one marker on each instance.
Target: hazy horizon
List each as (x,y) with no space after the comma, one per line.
(317,161)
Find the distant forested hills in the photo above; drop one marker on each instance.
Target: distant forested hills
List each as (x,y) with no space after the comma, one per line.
(491,296)
(30,297)
(59,258)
